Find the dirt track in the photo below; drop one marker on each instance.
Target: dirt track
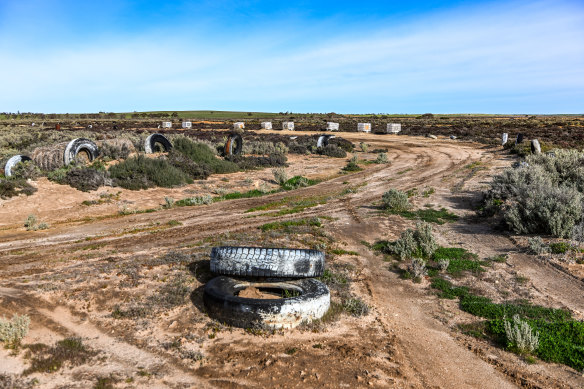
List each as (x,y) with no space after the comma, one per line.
(406,341)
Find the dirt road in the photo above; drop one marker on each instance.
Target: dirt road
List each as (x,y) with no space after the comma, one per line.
(407,340)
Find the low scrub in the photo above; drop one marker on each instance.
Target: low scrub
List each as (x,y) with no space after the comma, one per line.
(139,172)
(395,201)
(26,170)
(195,170)
(10,188)
(13,331)
(251,163)
(544,195)
(297,182)
(312,222)
(418,243)
(202,154)
(352,165)
(331,150)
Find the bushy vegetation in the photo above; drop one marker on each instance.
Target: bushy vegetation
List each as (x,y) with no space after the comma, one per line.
(12,331)
(537,246)
(26,170)
(251,163)
(542,196)
(14,187)
(395,201)
(417,243)
(550,334)
(352,165)
(202,154)
(141,173)
(297,182)
(332,150)
(195,170)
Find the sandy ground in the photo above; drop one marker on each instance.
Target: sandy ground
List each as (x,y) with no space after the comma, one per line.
(71,278)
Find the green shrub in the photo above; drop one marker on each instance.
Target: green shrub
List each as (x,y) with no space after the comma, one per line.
(342,144)
(194,170)
(140,173)
(406,246)
(395,201)
(548,210)
(352,165)
(331,150)
(417,268)
(520,336)
(280,175)
(12,331)
(459,260)
(26,170)
(85,179)
(11,188)
(484,307)
(297,182)
(447,290)
(560,247)
(202,154)
(196,200)
(381,158)
(537,246)
(251,163)
(560,340)
(355,307)
(545,196)
(426,242)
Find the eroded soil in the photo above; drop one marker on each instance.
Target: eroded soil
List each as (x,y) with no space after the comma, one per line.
(118,281)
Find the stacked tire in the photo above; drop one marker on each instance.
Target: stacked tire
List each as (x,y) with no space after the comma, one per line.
(292,270)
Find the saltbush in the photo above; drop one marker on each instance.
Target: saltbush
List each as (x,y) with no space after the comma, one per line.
(537,246)
(544,195)
(12,331)
(202,154)
(11,188)
(26,170)
(140,173)
(331,150)
(395,201)
(187,165)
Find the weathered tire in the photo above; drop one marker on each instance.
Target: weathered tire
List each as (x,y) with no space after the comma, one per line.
(222,303)
(323,140)
(151,141)
(80,145)
(535,147)
(13,161)
(234,145)
(266,262)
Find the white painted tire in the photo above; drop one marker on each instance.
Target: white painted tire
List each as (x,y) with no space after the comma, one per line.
(266,262)
(223,303)
(13,161)
(156,138)
(323,140)
(78,145)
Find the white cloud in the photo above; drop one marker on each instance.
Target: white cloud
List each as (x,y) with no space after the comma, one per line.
(498,58)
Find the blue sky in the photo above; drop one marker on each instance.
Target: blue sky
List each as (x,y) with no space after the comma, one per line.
(300,56)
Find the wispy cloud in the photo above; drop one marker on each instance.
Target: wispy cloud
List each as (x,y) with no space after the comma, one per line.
(496,57)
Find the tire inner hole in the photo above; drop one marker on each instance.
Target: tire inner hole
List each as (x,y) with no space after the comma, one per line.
(83,157)
(267,292)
